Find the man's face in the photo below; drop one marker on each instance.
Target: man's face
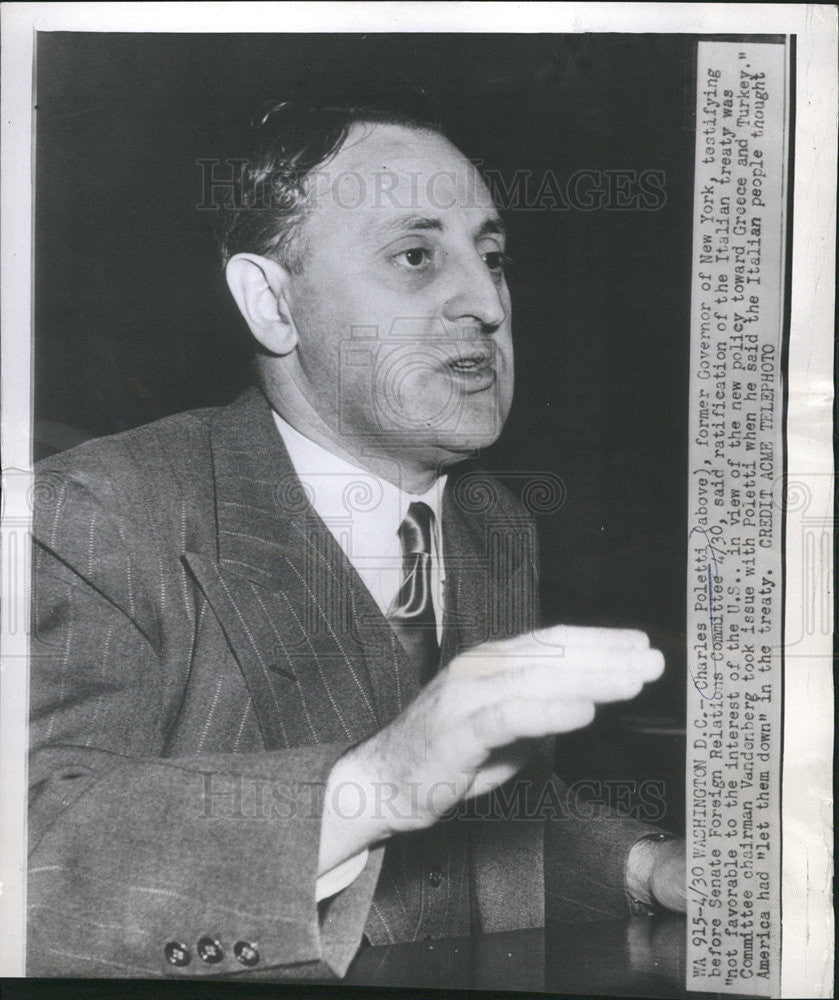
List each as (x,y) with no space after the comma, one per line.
(402,309)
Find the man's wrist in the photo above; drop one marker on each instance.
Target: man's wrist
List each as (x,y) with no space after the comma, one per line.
(349,825)
(641,863)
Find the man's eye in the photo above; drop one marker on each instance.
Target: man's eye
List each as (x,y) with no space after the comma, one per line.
(496,261)
(414,258)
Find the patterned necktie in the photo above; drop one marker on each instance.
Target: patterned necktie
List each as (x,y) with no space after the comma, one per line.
(411,613)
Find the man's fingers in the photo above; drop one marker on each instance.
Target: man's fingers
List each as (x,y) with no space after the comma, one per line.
(649,664)
(550,681)
(559,637)
(574,635)
(501,723)
(492,660)
(567,643)
(522,688)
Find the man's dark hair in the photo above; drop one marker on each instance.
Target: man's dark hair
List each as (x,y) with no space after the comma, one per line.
(261,212)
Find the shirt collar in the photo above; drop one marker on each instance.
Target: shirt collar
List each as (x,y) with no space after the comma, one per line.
(340,491)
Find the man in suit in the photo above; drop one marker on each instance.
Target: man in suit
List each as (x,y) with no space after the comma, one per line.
(288,692)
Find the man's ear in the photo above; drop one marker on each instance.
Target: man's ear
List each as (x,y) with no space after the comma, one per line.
(260,287)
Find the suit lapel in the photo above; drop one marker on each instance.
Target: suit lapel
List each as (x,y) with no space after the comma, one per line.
(282,590)
(464,553)
(490,556)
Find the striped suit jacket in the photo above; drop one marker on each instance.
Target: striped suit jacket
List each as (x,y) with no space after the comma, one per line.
(202,653)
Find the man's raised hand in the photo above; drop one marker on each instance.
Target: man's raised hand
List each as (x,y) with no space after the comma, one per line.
(473,727)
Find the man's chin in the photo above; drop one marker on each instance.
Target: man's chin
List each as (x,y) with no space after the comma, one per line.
(459,447)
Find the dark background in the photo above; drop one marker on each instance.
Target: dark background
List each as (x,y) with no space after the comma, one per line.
(134,320)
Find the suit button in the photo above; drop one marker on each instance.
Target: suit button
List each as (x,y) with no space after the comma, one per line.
(435,877)
(245,953)
(177,954)
(209,950)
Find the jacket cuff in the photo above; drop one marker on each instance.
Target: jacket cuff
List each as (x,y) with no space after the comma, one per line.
(194,866)
(340,876)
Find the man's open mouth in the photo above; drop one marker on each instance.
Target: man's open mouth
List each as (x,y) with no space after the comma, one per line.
(470,364)
(474,372)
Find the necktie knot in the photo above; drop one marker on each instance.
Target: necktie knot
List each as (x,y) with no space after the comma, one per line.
(415,530)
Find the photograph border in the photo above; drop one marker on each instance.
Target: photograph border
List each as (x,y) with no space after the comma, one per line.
(807,961)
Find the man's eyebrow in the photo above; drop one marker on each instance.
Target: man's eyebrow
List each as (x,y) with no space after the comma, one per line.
(410,223)
(495,225)
(422,223)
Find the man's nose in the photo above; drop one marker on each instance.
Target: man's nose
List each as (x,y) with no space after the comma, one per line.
(475,296)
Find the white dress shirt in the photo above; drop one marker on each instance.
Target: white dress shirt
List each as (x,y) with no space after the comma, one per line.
(364,513)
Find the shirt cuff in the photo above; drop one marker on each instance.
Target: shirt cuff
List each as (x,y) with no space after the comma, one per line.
(340,876)
(639,867)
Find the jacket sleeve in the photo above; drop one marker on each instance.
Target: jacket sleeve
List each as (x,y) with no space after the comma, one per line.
(143,864)
(587,847)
